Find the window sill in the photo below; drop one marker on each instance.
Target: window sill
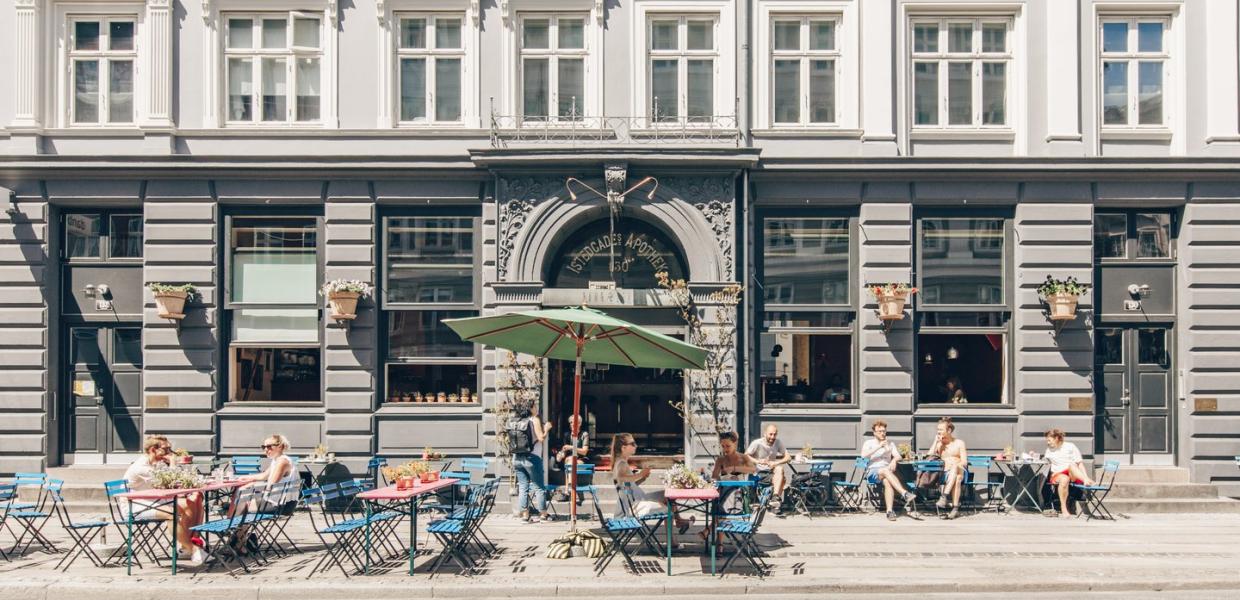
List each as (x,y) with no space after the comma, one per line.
(322,131)
(1159,134)
(950,410)
(805,408)
(807,132)
(434,408)
(128,131)
(233,407)
(963,135)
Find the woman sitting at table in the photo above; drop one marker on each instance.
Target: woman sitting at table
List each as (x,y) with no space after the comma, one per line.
(157,454)
(1066,467)
(731,465)
(279,470)
(625,469)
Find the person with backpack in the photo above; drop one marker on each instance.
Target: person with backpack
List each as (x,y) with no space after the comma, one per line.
(526,434)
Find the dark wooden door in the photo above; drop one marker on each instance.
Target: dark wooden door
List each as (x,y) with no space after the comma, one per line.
(1133,380)
(105,388)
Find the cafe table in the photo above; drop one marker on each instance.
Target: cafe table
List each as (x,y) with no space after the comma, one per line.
(692,499)
(1023,479)
(158,498)
(404,502)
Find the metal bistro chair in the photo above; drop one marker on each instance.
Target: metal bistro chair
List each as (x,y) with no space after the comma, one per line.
(978,482)
(1094,496)
(652,522)
(456,532)
(148,532)
(8,492)
(14,503)
(621,530)
(584,470)
(342,532)
(221,550)
(246,465)
(33,520)
(810,491)
(741,533)
(82,533)
(375,467)
(849,492)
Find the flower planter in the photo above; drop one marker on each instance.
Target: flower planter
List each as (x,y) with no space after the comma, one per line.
(1063,306)
(171,305)
(185,460)
(430,476)
(406,483)
(891,306)
(343,305)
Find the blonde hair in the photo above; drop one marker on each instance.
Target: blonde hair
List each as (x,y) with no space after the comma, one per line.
(276,438)
(152,441)
(1055,433)
(617,444)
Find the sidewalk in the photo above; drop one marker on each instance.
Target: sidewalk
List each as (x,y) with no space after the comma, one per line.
(846,555)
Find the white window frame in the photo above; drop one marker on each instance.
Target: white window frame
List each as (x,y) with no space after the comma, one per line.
(510,101)
(976,57)
(215,92)
(804,55)
(60,73)
(291,53)
(103,57)
(553,54)
(432,54)
(389,13)
(847,53)
(724,55)
(1132,57)
(1172,134)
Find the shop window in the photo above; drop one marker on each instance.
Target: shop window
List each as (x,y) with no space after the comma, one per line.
(430,260)
(805,261)
(962,261)
(275,374)
(274,261)
(103,236)
(803,367)
(957,368)
(1133,234)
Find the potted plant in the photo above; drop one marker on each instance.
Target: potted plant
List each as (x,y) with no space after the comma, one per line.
(906,451)
(681,477)
(1062,295)
(422,471)
(343,295)
(891,299)
(429,454)
(183,456)
(170,299)
(175,479)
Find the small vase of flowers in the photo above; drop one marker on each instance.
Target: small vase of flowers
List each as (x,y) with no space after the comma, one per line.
(891,299)
(343,296)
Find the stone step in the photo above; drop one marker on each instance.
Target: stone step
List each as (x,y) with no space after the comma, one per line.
(1138,474)
(1164,491)
(1176,505)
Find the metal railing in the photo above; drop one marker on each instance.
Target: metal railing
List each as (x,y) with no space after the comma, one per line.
(573,128)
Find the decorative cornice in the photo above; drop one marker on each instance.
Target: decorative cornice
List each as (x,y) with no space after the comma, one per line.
(158,4)
(333,12)
(381,12)
(26,4)
(505,10)
(599,9)
(206,11)
(475,11)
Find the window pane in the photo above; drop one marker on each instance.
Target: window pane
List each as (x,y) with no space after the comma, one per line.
(962,319)
(536,34)
(994,93)
(430,259)
(1109,346)
(412,89)
(125,234)
(801,319)
(572,33)
(787,91)
(276,375)
(1152,346)
(127,345)
(1115,93)
(86,349)
(701,89)
(926,37)
(274,260)
(664,35)
(962,261)
(306,32)
(959,93)
(274,93)
(421,334)
(787,35)
(822,35)
(240,33)
(86,35)
(959,37)
(120,91)
(82,235)
(1115,37)
(432,383)
(1150,96)
(535,81)
(803,367)
(448,89)
(571,93)
(822,91)
(1149,37)
(413,33)
(1110,235)
(274,35)
(1153,235)
(275,325)
(701,35)
(448,33)
(960,368)
(926,93)
(120,35)
(805,261)
(994,37)
(664,89)
(86,91)
(240,89)
(308,89)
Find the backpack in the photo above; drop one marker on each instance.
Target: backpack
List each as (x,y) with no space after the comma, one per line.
(520,436)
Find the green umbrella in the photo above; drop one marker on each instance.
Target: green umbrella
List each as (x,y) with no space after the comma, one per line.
(579,334)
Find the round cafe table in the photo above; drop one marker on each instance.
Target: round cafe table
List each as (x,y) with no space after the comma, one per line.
(1022,482)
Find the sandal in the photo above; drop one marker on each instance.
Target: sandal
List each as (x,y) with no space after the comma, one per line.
(685,524)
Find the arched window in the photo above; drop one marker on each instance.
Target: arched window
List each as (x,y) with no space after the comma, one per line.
(640,250)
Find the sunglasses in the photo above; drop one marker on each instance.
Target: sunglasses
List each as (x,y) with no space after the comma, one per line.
(269,446)
(165,448)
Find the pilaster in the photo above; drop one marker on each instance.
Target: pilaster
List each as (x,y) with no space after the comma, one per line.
(158,44)
(27,55)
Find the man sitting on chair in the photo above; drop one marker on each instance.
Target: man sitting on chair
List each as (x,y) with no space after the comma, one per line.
(884,457)
(769,456)
(1067,467)
(955,460)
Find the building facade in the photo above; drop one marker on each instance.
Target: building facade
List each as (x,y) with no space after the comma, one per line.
(459,154)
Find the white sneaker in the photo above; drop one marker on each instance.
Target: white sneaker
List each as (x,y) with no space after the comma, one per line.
(197,557)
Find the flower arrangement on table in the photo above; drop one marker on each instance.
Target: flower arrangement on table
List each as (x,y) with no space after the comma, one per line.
(343,295)
(169,478)
(183,456)
(891,299)
(320,454)
(429,453)
(906,451)
(807,453)
(681,477)
(408,474)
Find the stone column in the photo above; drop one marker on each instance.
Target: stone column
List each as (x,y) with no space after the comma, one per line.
(158,54)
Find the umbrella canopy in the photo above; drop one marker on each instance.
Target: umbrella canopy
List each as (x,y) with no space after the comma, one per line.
(553,333)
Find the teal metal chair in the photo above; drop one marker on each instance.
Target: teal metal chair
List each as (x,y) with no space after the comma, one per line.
(1093,497)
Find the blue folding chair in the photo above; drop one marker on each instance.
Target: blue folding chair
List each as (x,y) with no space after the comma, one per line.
(375,467)
(148,531)
(246,465)
(620,530)
(584,471)
(741,533)
(812,490)
(33,520)
(652,522)
(979,482)
(1093,497)
(928,466)
(82,533)
(221,528)
(849,492)
(8,492)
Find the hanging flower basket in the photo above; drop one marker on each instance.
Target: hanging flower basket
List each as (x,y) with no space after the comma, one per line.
(343,296)
(1063,306)
(891,297)
(1062,296)
(170,299)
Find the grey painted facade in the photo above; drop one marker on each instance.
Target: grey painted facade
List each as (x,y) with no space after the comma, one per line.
(1050,169)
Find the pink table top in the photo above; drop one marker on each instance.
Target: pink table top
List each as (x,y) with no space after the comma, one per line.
(154,494)
(391,493)
(702,494)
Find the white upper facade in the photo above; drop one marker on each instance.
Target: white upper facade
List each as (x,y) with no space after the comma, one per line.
(796,78)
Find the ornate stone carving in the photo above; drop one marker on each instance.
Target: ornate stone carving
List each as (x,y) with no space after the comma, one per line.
(616,175)
(715,198)
(523,195)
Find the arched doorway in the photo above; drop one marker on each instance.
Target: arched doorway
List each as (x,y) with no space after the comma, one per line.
(640,250)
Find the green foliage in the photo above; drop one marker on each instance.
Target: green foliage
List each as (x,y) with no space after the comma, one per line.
(1053,286)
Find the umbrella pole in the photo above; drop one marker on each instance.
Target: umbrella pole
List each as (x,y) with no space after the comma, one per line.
(576,430)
